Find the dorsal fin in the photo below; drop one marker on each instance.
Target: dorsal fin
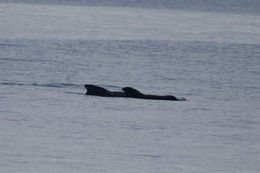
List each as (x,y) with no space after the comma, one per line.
(96,90)
(131,92)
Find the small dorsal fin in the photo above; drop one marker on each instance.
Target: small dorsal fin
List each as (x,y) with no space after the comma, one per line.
(131,92)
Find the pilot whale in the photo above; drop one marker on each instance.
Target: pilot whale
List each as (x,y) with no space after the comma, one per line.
(127,92)
(99,91)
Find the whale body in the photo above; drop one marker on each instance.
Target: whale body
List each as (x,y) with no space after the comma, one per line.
(131,92)
(127,92)
(99,91)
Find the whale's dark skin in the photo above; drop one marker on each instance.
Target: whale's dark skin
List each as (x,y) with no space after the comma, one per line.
(127,92)
(131,92)
(99,91)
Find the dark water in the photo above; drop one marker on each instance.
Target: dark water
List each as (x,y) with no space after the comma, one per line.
(237,6)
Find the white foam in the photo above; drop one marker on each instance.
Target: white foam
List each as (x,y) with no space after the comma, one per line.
(181,99)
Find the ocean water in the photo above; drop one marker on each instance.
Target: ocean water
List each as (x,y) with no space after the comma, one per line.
(49,51)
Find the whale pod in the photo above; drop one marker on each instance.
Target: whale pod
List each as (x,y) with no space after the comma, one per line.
(127,92)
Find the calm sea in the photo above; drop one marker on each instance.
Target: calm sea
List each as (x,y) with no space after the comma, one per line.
(209,56)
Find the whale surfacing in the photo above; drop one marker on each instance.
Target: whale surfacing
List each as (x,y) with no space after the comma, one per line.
(131,92)
(99,91)
(128,92)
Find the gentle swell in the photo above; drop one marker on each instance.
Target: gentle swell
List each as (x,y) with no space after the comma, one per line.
(54,85)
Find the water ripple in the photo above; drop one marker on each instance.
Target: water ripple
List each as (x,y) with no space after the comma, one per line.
(54,85)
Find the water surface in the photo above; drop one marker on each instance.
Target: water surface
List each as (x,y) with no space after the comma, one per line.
(47,124)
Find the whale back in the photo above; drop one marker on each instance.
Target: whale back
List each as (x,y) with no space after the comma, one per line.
(158,97)
(131,92)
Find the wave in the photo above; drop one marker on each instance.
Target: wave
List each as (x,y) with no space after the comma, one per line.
(52,85)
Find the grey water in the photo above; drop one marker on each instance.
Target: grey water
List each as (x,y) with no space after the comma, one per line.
(211,57)
(235,6)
